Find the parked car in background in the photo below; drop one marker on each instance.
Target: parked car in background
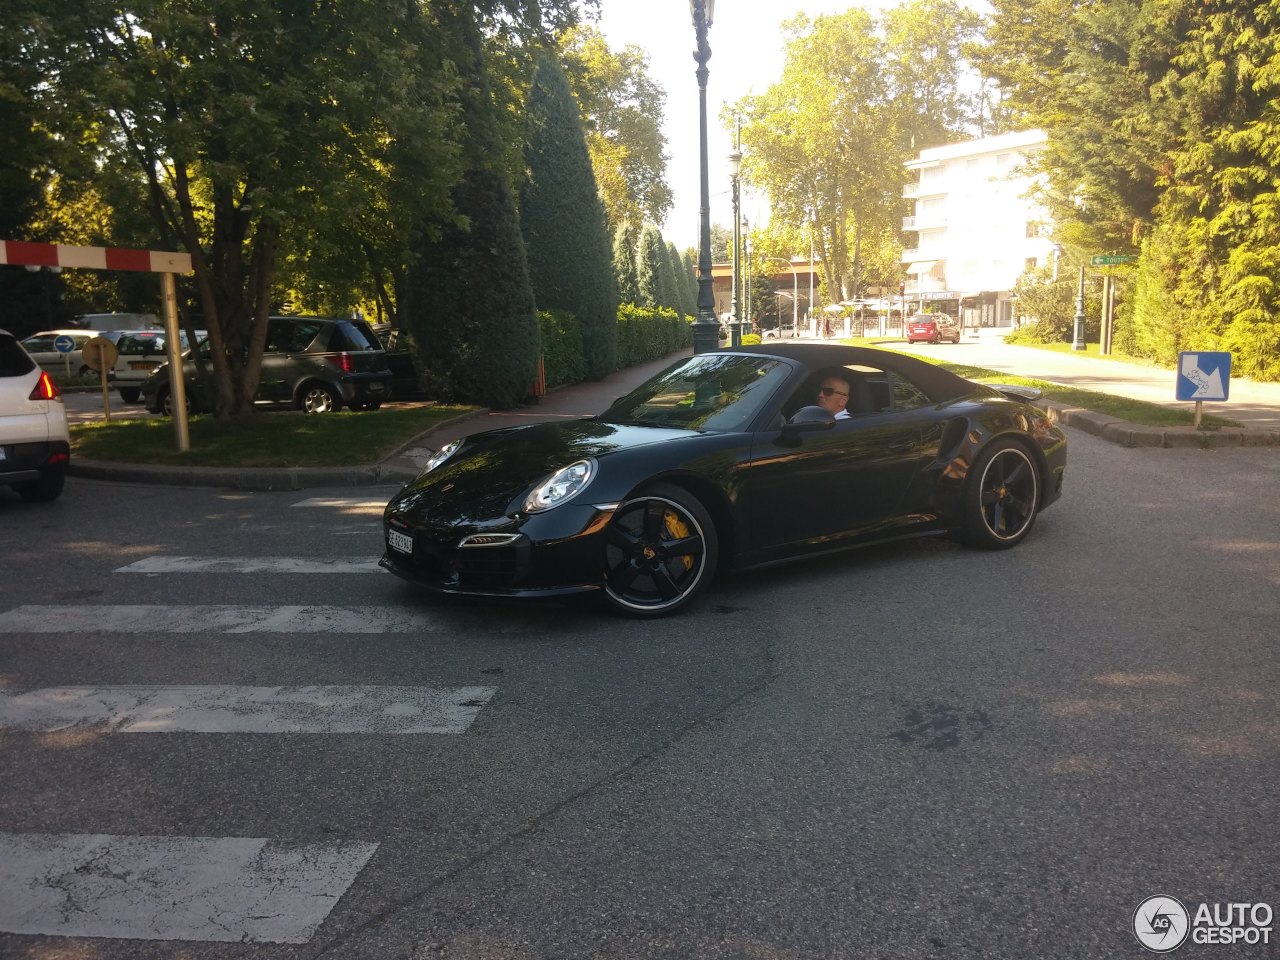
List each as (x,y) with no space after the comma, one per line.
(406,384)
(40,346)
(932,328)
(138,354)
(118,321)
(781,332)
(318,364)
(35,445)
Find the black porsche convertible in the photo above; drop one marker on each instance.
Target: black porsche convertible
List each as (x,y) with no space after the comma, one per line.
(727,460)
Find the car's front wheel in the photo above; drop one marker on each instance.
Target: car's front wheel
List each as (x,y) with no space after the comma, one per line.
(317,398)
(166,402)
(1002,496)
(129,394)
(661,550)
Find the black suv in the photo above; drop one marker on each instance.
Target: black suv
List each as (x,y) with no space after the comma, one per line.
(318,364)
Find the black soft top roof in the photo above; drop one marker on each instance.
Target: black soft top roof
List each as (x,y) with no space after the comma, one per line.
(940,385)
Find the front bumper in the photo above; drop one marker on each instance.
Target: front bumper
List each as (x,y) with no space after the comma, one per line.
(557,553)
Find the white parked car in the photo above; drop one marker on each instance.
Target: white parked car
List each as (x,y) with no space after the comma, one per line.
(35,445)
(41,347)
(138,354)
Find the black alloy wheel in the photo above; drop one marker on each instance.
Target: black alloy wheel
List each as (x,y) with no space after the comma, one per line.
(166,402)
(1002,497)
(660,551)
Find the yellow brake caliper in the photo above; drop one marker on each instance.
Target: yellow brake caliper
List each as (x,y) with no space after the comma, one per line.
(678,529)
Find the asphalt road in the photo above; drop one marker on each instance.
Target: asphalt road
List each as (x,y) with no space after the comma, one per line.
(912,751)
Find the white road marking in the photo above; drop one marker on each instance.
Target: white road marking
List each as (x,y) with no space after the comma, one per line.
(210,618)
(249,565)
(226,889)
(146,708)
(345,504)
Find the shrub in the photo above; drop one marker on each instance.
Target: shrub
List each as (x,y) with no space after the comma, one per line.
(562,353)
(646,334)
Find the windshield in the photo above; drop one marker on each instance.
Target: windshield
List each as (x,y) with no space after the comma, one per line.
(714,391)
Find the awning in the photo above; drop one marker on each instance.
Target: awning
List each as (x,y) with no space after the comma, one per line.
(921,266)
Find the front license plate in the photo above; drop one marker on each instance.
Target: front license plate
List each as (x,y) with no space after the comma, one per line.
(401,542)
(142,365)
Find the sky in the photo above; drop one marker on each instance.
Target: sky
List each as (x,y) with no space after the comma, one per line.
(746,57)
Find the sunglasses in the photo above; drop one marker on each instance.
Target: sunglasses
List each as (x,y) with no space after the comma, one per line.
(828,391)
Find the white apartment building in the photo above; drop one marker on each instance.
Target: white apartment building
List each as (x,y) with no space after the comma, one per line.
(977,225)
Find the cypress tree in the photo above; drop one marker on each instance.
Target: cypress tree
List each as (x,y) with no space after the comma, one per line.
(471,308)
(667,280)
(650,254)
(570,255)
(684,303)
(624,263)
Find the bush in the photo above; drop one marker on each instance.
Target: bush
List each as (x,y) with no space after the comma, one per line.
(646,334)
(562,352)
(750,339)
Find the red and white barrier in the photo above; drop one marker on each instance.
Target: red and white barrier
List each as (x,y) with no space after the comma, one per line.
(93,258)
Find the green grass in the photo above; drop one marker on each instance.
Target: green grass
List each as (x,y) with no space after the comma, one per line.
(277,438)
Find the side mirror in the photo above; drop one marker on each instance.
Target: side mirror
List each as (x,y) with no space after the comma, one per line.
(811,419)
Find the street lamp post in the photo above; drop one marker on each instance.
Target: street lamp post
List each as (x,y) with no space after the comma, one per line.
(735,165)
(746,282)
(706,331)
(1077,342)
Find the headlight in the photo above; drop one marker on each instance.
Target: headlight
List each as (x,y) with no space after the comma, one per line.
(441,455)
(562,485)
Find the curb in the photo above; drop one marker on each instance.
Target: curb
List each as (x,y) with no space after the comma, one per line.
(255,478)
(1126,434)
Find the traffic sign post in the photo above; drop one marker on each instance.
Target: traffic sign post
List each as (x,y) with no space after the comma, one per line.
(100,354)
(1203,376)
(64,345)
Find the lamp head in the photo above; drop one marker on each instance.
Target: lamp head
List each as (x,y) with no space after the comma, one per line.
(735,161)
(708,8)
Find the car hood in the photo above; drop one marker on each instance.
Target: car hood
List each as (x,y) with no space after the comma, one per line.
(494,470)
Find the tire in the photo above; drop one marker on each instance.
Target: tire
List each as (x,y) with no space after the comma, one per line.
(1001,498)
(317,398)
(48,487)
(661,550)
(129,394)
(166,403)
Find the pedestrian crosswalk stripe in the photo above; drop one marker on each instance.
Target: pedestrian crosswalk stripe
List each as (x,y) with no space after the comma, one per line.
(146,708)
(226,889)
(352,505)
(217,618)
(250,565)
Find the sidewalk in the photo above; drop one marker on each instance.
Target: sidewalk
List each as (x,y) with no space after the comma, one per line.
(1254,405)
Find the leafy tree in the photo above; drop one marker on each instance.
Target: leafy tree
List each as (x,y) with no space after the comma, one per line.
(246,122)
(623,108)
(624,262)
(570,257)
(471,307)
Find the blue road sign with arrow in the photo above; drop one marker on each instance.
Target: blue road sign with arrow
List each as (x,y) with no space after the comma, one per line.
(1203,376)
(63,344)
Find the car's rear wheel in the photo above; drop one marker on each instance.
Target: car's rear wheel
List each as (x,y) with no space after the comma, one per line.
(660,552)
(48,487)
(129,394)
(1002,497)
(317,398)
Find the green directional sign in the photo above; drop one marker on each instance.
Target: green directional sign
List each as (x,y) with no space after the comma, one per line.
(1106,260)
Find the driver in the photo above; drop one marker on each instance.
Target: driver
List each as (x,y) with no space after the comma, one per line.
(833,395)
